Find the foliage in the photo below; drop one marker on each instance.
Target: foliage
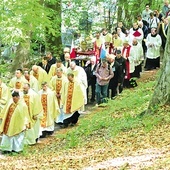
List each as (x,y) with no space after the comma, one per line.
(129,9)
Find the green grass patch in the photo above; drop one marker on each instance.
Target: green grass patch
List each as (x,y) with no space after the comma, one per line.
(121,115)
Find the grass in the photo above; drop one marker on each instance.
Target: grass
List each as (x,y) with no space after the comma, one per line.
(121,115)
(118,130)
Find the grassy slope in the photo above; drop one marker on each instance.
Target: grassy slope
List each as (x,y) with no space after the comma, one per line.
(106,133)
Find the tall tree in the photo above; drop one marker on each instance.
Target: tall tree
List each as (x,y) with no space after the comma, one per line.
(53,39)
(161,95)
(23,21)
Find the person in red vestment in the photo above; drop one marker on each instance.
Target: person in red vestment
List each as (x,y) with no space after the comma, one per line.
(130,66)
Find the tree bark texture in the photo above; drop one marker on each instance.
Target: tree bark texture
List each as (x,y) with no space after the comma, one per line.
(161,95)
(21,58)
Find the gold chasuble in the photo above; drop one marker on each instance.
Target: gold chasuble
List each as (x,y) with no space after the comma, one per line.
(54,74)
(26,99)
(36,75)
(69,97)
(15,118)
(8,118)
(18,85)
(44,104)
(58,88)
(72,97)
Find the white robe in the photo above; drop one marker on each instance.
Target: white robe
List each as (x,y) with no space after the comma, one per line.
(153,46)
(137,53)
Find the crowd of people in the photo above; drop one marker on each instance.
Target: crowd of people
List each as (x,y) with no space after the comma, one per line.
(56,90)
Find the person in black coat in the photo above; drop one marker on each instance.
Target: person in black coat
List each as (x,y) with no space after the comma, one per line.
(51,59)
(116,80)
(122,64)
(145,34)
(163,29)
(90,68)
(44,64)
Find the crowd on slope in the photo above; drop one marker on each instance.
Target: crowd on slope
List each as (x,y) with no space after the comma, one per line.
(56,90)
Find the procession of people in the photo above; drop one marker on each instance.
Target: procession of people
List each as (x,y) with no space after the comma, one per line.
(56,90)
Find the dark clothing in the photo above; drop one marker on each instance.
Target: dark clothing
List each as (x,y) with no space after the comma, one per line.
(52,61)
(71,120)
(122,64)
(145,34)
(123,29)
(138,70)
(66,64)
(113,84)
(62,57)
(163,29)
(130,83)
(91,79)
(152,63)
(46,68)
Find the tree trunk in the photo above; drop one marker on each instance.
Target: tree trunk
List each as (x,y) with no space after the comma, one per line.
(161,94)
(54,43)
(21,57)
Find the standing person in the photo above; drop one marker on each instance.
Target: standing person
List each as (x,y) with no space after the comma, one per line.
(121,34)
(4,94)
(15,122)
(90,68)
(79,74)
(165,8)
(40,74)
(67,60)
(121,26)
(53,68)
(66,50)
(50,110)
(115,81)
(17,82)
(50,58)
(139,19)
(33,82)
(44,64)
(103,75)
(145,34)
(72,98)
(107,37)
(56,84)
(136,32)
(130,65)
(122,63)
(146,13)
(137,53)
(153,43)
(98,41)
(32,100)
(116,41)
(163,30)
(153,22)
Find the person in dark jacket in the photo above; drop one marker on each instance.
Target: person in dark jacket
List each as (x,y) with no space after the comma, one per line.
(51,59)
(122,63)
(90,68)
(116,80)
(44,64)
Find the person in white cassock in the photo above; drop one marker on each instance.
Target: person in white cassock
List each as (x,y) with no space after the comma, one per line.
(137,53)
(153,43)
